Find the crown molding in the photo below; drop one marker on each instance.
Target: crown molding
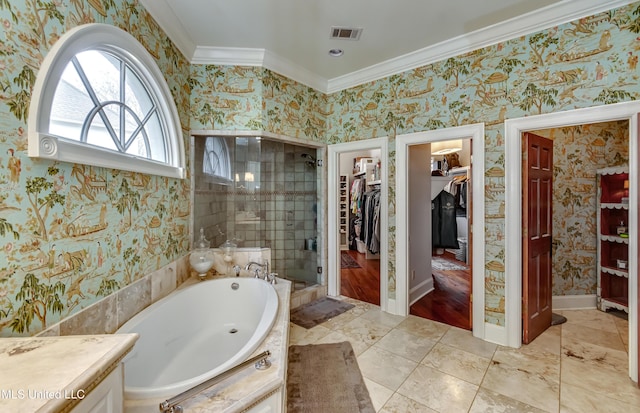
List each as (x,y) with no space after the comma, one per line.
(295,72)
(228,56)
(532,22)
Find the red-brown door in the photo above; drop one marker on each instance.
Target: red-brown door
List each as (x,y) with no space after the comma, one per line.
(537,230)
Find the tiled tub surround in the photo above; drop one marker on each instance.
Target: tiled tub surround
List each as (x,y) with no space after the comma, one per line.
(74,365)
(249,386)
(110,313)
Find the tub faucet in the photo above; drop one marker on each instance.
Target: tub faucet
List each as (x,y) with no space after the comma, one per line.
(264,268)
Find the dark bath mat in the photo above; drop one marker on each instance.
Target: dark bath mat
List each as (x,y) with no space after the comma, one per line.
(319,311)
(326,378)
(347,261)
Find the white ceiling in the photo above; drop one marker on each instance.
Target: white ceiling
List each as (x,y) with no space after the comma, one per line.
(292,38)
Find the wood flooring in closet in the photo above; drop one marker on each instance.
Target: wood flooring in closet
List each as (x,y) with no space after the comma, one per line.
(448,303)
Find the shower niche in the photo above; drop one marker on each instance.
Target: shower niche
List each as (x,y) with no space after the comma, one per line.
(260,193)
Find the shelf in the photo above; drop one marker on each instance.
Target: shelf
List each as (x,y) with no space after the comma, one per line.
(615,271)
(614,238)
(612,214)
(360,174)
(614,205)
(378,182)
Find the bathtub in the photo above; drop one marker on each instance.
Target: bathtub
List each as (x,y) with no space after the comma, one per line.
(196,333)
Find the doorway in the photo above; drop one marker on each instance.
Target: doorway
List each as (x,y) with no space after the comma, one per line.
(476,246)
(439,174)
(334,152)
(359,224)
(513,213)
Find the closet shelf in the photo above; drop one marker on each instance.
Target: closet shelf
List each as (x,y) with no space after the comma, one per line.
(614,205)
(615,271)
(614,238)
(378,182)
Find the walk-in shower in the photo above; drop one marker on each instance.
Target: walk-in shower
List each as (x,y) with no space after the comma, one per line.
(261,193)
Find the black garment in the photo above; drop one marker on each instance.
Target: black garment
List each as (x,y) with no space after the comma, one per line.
(444,229)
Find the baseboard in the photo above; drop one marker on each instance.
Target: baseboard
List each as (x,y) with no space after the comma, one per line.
(420,290)
(495,334)
(574,302)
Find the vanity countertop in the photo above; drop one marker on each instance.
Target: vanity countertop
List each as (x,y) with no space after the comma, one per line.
(50,374)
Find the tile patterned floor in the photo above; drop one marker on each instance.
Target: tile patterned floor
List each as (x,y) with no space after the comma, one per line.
(411,364)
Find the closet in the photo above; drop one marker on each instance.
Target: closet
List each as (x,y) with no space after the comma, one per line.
(439,184)
(451,237)
(359,215)
(365,207)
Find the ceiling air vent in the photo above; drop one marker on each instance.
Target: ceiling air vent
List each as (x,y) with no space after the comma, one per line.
(346,33)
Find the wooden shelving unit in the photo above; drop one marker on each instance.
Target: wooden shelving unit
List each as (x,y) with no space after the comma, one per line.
(613,239)
(343,212)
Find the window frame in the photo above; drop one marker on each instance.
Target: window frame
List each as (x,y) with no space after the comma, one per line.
(109,39)
(219,142)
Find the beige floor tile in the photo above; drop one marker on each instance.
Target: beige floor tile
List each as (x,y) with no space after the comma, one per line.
(302,336)
(458,363)
(545,364)
(405,344)
(361,329)
(358,346)
(438,391)
(547,342)
(464,340)
(595,336)
(595,319)
(423,327)
(401,404)
(379,316)
(575,399)
(595,356)
(487,401)
(579,366)
(605,382)
(378,393)
(528,387)
(385,368)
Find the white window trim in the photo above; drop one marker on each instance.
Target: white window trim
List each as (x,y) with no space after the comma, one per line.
(108,38)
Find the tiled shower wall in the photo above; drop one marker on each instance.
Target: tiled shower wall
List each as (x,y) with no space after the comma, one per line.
(284,204)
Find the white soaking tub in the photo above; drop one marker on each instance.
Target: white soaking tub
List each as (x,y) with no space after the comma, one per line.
(196,333)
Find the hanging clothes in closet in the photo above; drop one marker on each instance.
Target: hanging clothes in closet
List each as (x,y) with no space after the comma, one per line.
(449,203)
(355,224)
(371,221)
(458,188)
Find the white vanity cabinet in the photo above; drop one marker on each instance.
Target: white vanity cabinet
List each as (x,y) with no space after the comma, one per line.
(106,397)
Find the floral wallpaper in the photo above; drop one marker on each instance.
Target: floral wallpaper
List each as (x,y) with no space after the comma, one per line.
(578,152)
(71,234)
(250,98)
(588,62)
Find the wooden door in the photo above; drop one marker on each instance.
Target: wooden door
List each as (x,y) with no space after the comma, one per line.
(537,230)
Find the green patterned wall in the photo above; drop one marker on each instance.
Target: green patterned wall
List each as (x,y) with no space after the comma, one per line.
(72,234)
(47,274)
(578,152)
(584,63)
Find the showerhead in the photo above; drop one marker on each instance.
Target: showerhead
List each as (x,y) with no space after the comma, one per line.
(311,161)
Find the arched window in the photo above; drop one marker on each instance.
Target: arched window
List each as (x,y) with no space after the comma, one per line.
(216,163)
(100,99)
